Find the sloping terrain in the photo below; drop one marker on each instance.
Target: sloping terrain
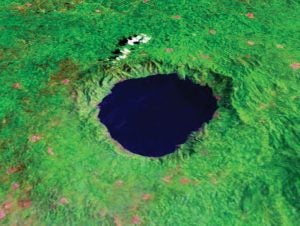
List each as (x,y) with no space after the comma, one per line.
(58,164)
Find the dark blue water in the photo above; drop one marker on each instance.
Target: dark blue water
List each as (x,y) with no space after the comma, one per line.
(151,116)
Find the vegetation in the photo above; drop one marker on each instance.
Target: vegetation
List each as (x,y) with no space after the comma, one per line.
(58,165)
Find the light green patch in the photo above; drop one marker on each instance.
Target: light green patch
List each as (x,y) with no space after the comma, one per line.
(242,169)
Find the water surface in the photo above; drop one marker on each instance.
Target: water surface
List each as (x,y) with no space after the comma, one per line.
(150,116)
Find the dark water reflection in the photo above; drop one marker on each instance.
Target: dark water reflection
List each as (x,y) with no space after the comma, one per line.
(150,116)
